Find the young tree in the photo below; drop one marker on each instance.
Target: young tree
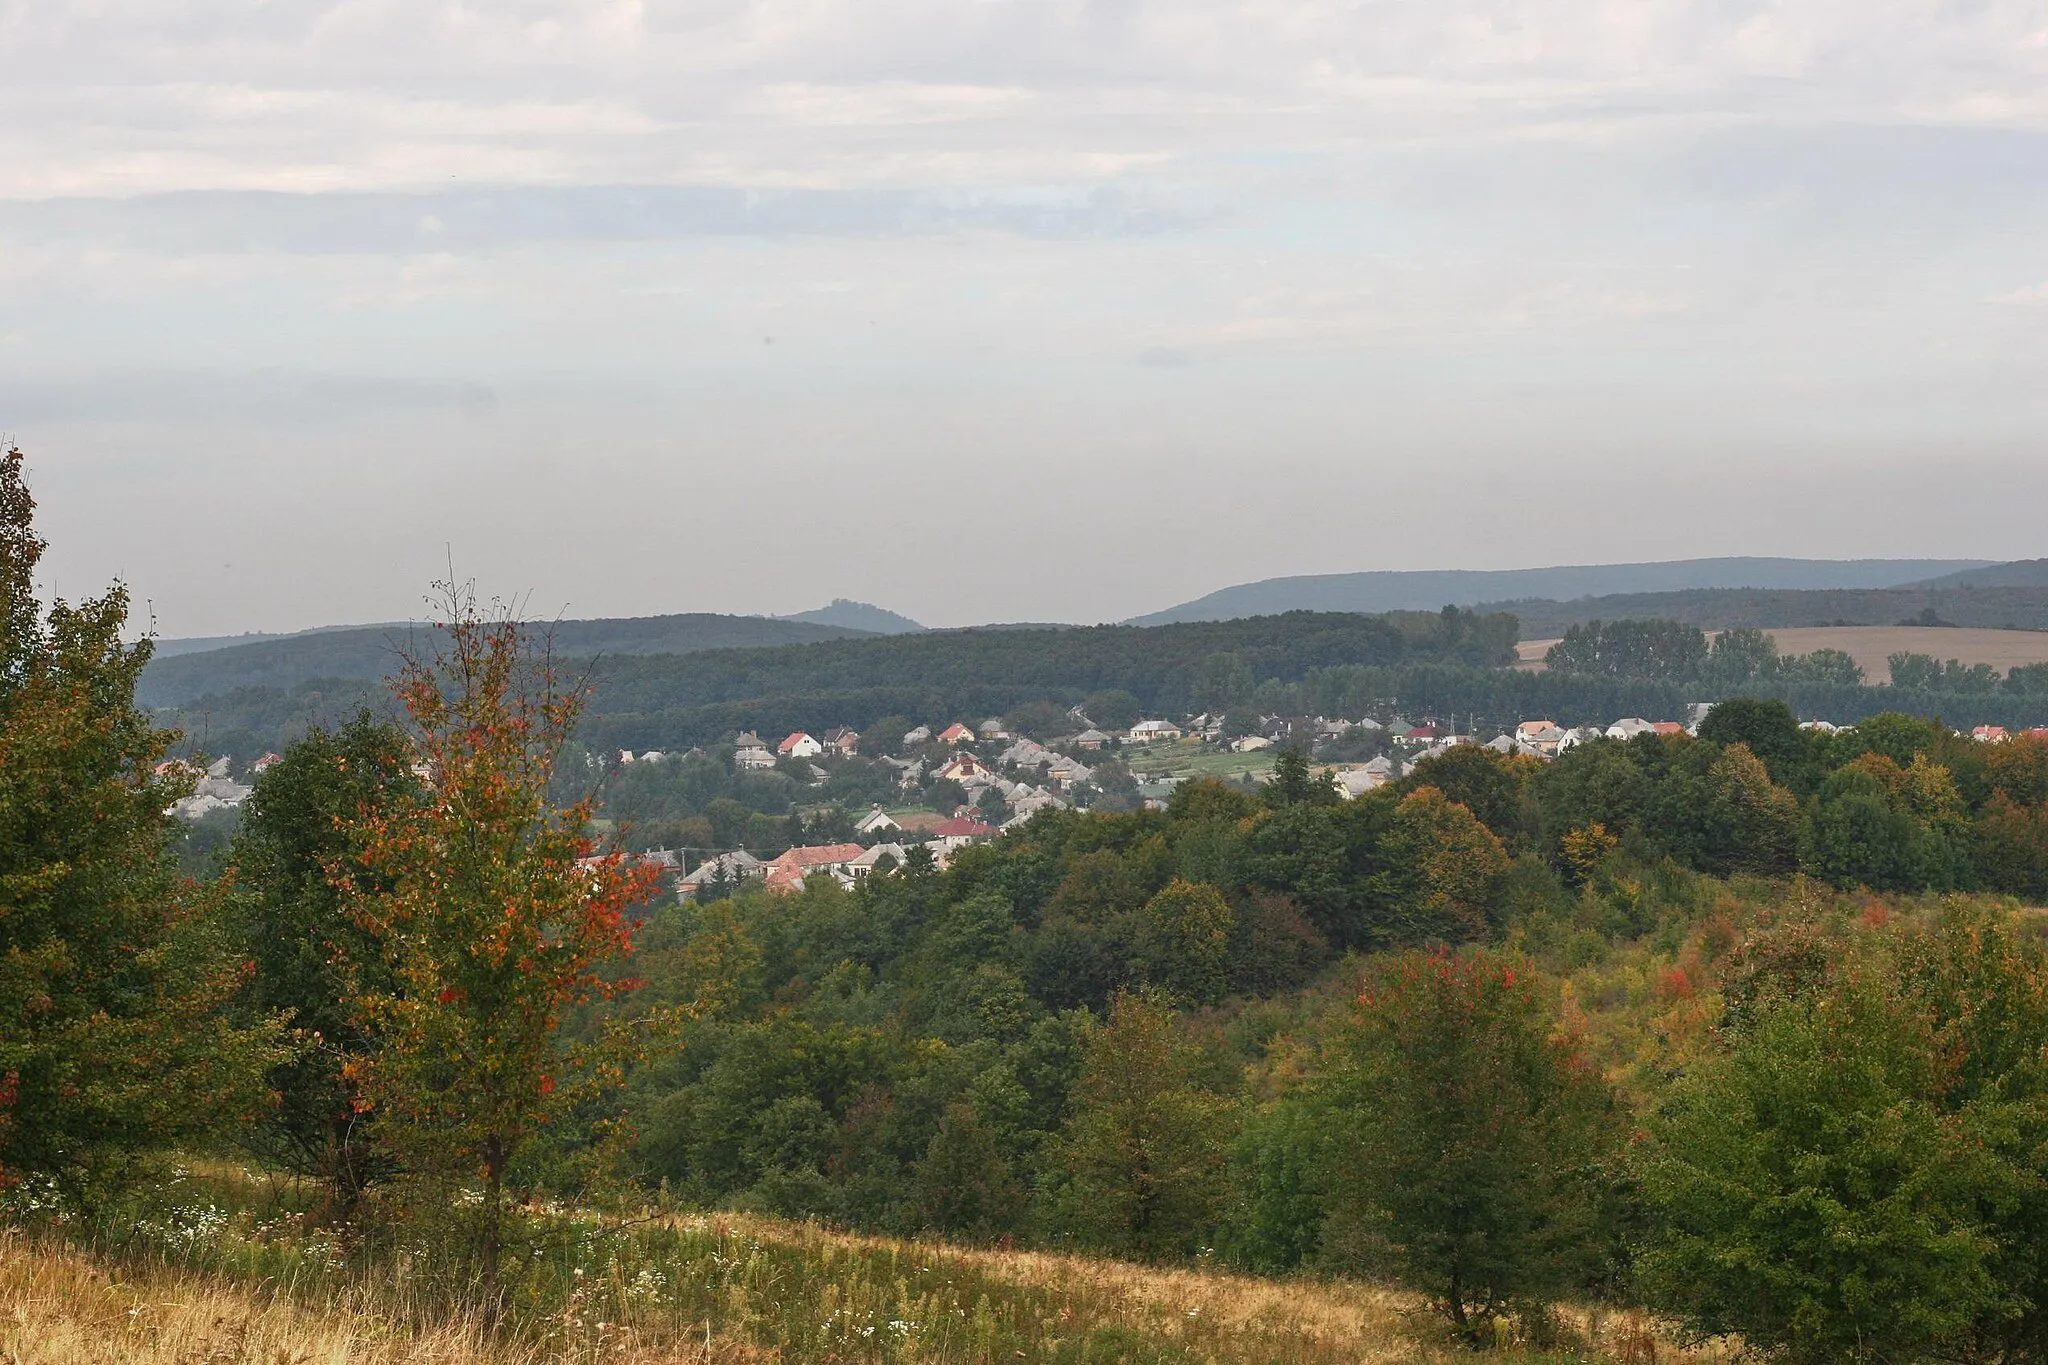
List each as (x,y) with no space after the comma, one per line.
(1477,1142)
(114,970)
(495,914)
(310,954)
(1142,1152)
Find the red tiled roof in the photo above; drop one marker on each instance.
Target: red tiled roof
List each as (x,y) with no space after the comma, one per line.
(962,829)
(817,856)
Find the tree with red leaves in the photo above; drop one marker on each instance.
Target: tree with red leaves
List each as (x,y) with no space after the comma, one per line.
(496,914)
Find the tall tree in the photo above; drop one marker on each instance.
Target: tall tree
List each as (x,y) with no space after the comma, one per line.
(311,956)
(114,970)
(495,914)
(1477,1141)
(1143,1150)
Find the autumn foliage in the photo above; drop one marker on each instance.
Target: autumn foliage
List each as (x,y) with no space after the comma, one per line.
(496,914)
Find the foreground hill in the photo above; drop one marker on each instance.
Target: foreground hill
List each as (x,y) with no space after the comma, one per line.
(1428,590)
(736,1288)
(371,652)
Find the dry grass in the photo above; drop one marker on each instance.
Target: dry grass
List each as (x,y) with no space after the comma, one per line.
(720,1288)
(61,1307)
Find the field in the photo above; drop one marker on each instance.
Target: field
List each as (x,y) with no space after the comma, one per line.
(1150,762)
(1870,646)
(728,1288)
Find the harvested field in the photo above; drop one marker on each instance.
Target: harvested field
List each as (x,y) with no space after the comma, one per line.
(1870,646)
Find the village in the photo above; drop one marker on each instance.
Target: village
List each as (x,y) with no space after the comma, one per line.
(964,785)
(1093,767)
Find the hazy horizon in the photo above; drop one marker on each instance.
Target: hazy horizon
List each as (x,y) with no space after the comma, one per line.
(1007,311)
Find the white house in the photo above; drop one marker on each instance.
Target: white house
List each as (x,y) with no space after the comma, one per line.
(749,752)
(1245,744)
(1628,727)
(920,735)
(1153,731)
(799,745)
(876,821)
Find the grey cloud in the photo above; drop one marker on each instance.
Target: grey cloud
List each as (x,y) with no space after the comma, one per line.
(198,222)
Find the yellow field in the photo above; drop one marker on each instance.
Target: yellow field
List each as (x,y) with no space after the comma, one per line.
(1870,646)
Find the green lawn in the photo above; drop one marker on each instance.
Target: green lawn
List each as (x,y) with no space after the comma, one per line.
(1188,760)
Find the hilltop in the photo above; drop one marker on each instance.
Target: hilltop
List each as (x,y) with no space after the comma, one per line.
(1430,589)
(368,653)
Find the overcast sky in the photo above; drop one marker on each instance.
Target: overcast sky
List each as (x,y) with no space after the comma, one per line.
(1008,309)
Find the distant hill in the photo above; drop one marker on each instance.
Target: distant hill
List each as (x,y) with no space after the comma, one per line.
(1428,590)
(369,652)
(2020,573)
(2022,608)
(862,616)
(200,644)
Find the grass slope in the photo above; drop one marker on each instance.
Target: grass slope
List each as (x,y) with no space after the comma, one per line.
(243,1287)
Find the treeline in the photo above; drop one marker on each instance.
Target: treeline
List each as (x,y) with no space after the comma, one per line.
(679,701)
(1994,607)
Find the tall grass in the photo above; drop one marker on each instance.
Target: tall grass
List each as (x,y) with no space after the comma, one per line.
(199,1278)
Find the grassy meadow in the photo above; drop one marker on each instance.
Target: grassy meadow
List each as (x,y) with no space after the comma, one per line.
(219,1265)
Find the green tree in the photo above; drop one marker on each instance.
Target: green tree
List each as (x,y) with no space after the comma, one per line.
(1142,1152)
(1295,783)
(115,971)
(1489,784)
(1853,1175)
(1113,709)
(1662,651)
(1478,1144)
(1188,931)
(310,955)
(1769,730)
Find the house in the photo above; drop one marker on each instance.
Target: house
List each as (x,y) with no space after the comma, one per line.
(843,741)
(787,871)
(921,734)
(212,788)
(872,860)
(1153,731)
(965,768)
(1529,729)
(1245,744)
(1090,739)
(1421,734)
(1580,734)
(799,745)
(265,764)
(1628,727)
(749,752)
(1668,727)
(736,866)
(876,821)
(1541,737)
(961,831)
(956,733)
(1988,734)
(1356,782)
(1826,727)
(993,729)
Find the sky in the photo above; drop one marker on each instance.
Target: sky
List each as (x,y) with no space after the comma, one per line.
(1008,309)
